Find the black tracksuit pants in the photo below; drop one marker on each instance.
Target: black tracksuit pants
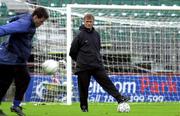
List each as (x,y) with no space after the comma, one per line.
(102,78)
(17,73)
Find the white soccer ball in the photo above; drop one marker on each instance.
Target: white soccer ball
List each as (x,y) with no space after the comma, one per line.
(123,107)
(50,66)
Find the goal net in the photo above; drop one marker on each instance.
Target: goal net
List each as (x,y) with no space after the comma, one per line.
(140,51)
(140,48)
(49,43)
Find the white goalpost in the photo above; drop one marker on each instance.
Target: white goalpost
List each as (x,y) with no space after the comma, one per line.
(140,51)
(140,48)
(134,19)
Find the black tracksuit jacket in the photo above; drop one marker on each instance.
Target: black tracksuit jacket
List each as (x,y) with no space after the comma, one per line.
(85,49)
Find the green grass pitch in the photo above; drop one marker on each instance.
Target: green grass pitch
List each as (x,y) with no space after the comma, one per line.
(97,109)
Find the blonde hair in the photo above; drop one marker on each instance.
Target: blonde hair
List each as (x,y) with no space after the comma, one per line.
(88,16)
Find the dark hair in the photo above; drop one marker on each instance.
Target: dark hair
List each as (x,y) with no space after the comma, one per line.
(88,16)
(40,12)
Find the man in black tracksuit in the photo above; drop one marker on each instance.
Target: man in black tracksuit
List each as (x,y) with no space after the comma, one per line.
(85,50)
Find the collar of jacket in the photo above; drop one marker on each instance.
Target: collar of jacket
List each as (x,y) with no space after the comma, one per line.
(82,27)
(33,24)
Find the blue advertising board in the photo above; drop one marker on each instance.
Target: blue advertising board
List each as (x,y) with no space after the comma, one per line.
(141,88)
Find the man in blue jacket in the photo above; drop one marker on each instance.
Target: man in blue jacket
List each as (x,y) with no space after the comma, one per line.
(85,50)
(14,54)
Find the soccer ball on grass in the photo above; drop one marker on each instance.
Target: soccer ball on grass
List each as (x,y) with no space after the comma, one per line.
(123,107)
(50,66)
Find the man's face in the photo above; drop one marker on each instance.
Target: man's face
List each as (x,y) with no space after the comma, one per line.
(88,23)
(38,21)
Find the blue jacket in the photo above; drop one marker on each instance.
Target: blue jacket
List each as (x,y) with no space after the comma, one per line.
(17,48)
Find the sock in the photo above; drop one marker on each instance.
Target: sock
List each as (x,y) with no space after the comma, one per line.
(16,103)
